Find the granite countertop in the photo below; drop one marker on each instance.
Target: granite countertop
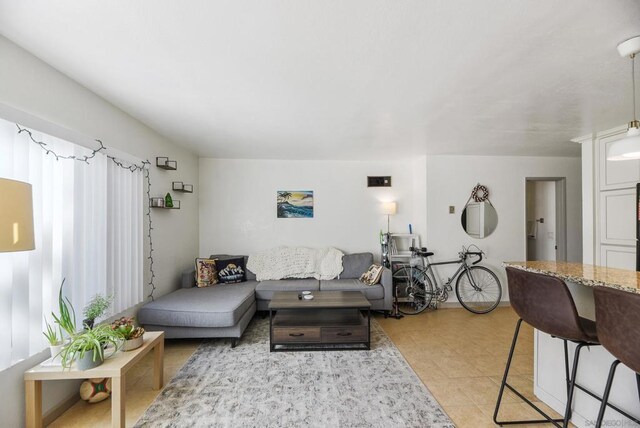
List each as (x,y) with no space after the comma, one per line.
(589,275)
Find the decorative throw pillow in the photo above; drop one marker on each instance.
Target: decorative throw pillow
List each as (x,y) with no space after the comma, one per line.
(206,273)
(231,270)
(372,275)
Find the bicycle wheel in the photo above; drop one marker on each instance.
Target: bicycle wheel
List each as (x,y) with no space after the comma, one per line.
(414,290)
(478,290)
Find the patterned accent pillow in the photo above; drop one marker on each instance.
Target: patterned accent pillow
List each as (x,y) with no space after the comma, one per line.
(206,272)
(231,270)
(372,275)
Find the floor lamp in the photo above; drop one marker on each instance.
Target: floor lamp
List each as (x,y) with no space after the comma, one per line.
(16,216)
(389,208)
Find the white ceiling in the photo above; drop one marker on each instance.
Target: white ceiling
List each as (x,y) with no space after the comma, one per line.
(345,79)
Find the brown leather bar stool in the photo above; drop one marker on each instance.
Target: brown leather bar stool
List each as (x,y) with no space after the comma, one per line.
(618,317)
(545,303)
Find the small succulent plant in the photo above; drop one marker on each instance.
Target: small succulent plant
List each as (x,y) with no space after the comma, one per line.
(125,327)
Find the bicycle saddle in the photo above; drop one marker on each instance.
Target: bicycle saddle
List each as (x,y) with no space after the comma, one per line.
(422,252)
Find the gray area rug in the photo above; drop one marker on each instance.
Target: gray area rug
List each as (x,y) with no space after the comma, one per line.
(251,387)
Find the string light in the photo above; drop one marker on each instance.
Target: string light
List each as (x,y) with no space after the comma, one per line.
(49,151)
(131,168)
(152,273)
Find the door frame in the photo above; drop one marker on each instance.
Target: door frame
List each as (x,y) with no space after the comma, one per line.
(561,215)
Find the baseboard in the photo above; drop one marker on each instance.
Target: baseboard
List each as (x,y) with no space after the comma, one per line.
(457,305)
(58,410)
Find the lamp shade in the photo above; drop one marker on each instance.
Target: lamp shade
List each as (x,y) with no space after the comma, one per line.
(389,208)
(627,148)
(16,216)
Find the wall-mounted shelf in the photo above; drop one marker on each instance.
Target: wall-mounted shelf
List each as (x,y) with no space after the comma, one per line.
(396,252)
(179,186)
(166,163)
(153,203)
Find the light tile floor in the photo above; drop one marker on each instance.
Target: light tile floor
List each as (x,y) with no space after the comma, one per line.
(461,357)
(458,355)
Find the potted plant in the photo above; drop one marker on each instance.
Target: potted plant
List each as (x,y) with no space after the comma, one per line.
(54,337)
(67,318)
(88,348)
(132,335)
(95,309)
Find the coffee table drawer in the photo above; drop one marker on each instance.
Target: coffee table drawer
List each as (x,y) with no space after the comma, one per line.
(345,334)
(296,334)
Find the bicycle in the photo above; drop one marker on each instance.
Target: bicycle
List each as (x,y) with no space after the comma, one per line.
(478,289)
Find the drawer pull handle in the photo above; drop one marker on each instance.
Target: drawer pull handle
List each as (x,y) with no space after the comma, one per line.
(296,334)
(348,333)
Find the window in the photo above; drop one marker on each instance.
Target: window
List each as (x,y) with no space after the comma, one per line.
(88,221)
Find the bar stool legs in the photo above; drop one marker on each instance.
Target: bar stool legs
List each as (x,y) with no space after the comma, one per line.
(567,378)
(572,383)
(504,384)
(607,391)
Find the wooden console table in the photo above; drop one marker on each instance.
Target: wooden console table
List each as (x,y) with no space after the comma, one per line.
(114,367)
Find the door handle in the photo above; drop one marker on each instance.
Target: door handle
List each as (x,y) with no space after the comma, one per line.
(296,334)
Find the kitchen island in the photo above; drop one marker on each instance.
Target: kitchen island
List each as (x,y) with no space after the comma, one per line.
(549,376)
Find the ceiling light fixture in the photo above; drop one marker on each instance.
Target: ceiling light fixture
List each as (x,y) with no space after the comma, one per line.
(629,147)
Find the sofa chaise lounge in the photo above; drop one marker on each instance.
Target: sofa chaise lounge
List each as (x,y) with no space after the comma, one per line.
(224,310)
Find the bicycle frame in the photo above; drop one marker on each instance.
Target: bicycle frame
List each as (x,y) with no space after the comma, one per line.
(428,270)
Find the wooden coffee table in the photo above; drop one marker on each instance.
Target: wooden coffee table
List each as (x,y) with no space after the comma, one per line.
(336,320)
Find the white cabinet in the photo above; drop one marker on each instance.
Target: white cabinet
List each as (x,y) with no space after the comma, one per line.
(616,174)
(617,217)
(609,202)
(616,256)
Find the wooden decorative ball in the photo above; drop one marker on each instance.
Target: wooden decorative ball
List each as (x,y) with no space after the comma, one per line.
(95,390)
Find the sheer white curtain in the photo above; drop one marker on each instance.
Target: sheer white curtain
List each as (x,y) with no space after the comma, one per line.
(74,221)
(125,259)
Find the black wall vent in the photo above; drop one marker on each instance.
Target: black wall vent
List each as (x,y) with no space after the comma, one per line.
(378,181)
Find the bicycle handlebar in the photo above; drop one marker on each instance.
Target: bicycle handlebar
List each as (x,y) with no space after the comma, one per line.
(478,254)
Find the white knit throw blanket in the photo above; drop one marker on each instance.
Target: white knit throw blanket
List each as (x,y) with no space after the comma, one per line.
(296,262)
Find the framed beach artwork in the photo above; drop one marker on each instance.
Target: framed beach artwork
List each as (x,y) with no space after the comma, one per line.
(295,203)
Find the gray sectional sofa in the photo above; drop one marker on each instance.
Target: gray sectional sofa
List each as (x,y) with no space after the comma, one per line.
(224,310)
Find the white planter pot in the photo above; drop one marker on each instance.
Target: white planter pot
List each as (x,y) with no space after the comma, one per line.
(130,345)
(56,358)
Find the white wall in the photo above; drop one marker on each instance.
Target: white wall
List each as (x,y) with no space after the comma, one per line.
(238,204)
(31,86)
(238,197)
(450,180)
